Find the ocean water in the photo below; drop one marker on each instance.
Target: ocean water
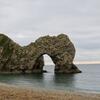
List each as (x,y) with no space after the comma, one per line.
(87,81)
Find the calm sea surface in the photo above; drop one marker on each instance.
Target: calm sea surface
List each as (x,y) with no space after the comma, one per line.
(87,81)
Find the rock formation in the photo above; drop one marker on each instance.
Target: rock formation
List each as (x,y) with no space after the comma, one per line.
(29,59)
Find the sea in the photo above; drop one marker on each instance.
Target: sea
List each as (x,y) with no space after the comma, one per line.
(87,81)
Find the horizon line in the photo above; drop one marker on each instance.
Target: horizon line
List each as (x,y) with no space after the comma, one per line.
(87,62)
(79,62)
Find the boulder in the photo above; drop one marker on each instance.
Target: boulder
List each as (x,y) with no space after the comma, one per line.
(29,59)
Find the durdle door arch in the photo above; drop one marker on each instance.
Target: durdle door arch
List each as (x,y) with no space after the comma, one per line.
(29,59)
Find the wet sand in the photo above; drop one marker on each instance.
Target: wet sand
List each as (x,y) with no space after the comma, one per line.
(8,92)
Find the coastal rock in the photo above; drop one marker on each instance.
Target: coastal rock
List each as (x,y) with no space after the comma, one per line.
(29,59)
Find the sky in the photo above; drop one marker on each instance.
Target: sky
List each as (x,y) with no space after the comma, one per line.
(26,20)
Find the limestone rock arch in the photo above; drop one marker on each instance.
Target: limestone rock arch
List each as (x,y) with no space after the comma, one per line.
(29,59)
(60,49)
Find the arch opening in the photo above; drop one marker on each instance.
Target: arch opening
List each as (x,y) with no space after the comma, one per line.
(49,65)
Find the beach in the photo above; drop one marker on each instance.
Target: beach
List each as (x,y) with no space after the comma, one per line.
(9,92)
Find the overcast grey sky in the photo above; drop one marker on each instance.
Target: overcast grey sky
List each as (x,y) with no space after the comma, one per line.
(26,20)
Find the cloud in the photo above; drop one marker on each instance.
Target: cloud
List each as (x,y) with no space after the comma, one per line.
(26,20)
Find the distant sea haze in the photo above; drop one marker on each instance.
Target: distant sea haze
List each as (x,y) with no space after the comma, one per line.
(48,61)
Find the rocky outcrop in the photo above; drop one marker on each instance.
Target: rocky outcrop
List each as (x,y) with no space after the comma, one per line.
(29,59)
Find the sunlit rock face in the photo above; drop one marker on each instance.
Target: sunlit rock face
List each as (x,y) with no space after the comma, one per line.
(29,59)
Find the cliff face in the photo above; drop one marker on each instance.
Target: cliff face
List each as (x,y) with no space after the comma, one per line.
(29,59)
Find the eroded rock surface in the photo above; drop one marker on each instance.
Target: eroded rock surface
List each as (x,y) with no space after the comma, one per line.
(29,59)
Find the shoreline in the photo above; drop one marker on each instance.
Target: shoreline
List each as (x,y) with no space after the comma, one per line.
(11,92)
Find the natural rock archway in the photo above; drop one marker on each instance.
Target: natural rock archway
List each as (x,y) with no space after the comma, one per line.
(49,65)
(29,59)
